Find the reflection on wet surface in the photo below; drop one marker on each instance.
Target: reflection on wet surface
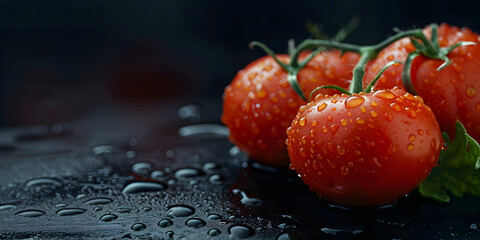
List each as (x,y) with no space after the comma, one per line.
(141,187)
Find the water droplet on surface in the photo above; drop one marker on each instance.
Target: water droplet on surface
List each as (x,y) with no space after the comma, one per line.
(108,148)
(188,173)
(384,94)
(354,101)
(251,202)
(211,166)
(214,232)
(157,174)
(216,179)
(30,213)
(321,107)
(70,211)
(165,223)
(195,223)
(240,231)
(108,217)
(97,209)
(289,236)
(42,181)
(190,112)
(180,211)
(98,201)
(7,206)
(141,168)
(123,210)
(138,227)
(214,217)
(139,187)
(169,234)
(204,129)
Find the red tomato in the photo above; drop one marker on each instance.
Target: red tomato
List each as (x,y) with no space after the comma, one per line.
(260,104)
(451,92)
(365,149)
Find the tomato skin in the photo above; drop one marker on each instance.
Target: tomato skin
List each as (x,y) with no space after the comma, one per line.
(451,92)
(260,104)
(368,154)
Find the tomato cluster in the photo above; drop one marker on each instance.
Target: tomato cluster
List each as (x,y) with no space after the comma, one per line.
(360,147)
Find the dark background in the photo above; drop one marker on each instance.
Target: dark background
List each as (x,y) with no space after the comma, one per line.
(61,59)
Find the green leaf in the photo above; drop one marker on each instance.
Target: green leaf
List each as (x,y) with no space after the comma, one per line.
(457,172)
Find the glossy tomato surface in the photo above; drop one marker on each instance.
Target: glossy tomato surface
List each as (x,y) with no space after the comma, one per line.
(364,150)
(260,104)
(451,92)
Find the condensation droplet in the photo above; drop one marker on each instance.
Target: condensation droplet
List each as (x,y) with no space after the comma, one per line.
(321,107)
(354,101)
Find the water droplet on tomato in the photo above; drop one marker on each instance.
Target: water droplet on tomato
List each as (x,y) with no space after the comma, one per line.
(410,146)
(360,121)
(354,101)
(334,128)
(302,122)
(343,122)
(344,170)
(340,150)
(321,107)
(395,107)
(374,114)
(411,137)
(384,94)
(388,116)
(471,92)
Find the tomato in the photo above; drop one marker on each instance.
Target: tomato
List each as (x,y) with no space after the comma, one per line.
(260,104)
(451,92)
(367,149)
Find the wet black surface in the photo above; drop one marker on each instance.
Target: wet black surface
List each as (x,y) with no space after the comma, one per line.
(164,173)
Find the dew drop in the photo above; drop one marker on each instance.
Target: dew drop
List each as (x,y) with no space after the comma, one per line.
(188,173)
(30,213)
(384,94)
(360,121)
(395,107)
(139,187)
(289,236)
(70,211)
(157,174)
(340,150)
(98,201)
(344,170)
(470,92)
(165,223)
(411,113)
(343,122)
(302,122)
(214,232)
(138,227)
(141,168)
(321,107)
(7,206)
(42,181)
(334,128)
(374,114)
(251,202)
(354,101)
(388,117)
(211,166)
(108,217)
(195,223)
(410,146)
(412,137)
(180,211)
(216,179)
(214,217)
(240,231)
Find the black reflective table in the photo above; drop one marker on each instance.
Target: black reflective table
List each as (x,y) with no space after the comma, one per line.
(167,171)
